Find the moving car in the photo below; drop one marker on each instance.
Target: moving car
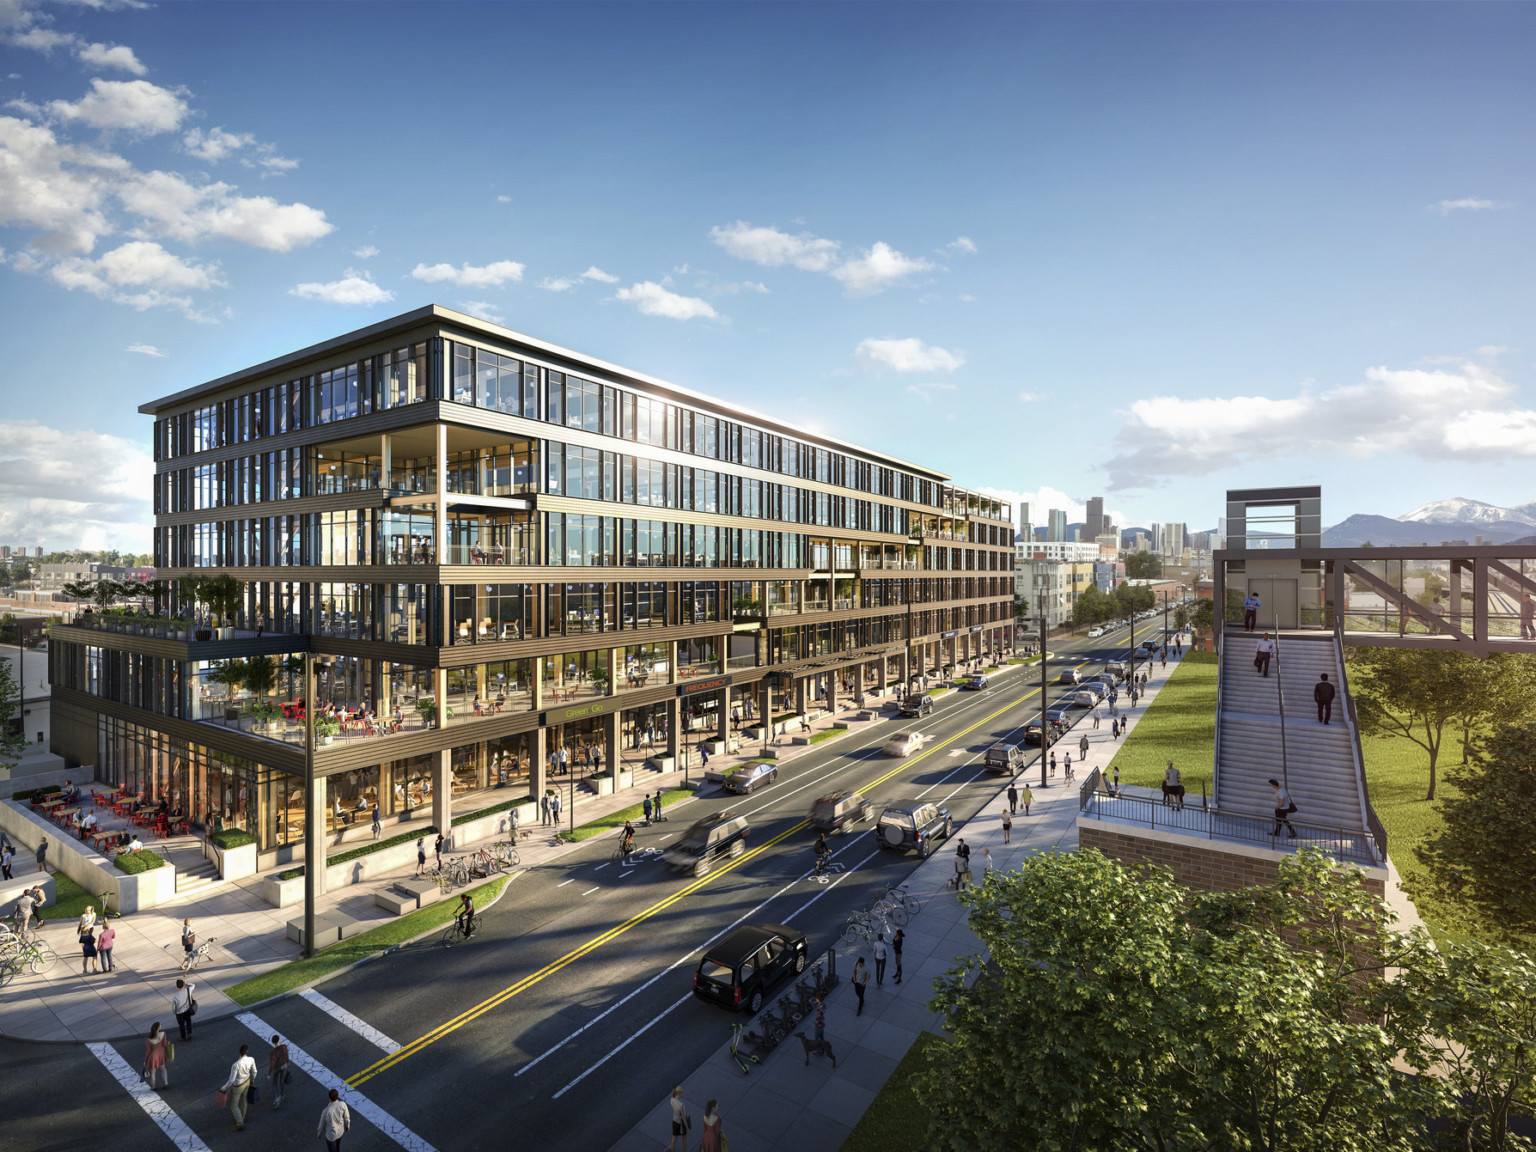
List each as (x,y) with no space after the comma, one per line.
(909,824)
(1069,676)
(974,684)
(836,811)
(713,838)
(1003,758)
(750,776)
(1115,668)
(903,743)
(916,704)
(738,971)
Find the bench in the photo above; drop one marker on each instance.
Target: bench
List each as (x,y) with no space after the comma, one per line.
(330,928)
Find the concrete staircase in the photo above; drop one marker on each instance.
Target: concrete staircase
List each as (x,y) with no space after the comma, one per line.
(1319,760)
(195,873)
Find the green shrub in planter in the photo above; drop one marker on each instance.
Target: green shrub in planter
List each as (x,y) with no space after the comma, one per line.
(30,793)
(141,861)
(231,838)
(380,845)
(502,807)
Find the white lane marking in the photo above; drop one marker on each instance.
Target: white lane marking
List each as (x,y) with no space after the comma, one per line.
(689,995)
(589,891)
(600,867)
(563,883)
(155,1108)
(354,1099)
(364,1029)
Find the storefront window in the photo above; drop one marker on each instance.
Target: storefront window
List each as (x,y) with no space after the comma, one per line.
(350,797)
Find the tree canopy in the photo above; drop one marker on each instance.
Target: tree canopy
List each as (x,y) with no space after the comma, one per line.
(1142,566)
(13,741)
(1120,1011)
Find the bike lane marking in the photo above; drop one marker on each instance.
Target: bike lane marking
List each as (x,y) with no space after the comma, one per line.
(148,1099)
(367,1031)
(354,1099)
(522,985)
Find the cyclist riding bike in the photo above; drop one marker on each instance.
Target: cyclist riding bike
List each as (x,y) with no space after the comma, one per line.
(823,853)
(465,917)
(628,842)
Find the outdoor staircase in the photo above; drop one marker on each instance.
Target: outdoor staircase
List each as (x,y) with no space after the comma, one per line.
(1318,761)
(195,873)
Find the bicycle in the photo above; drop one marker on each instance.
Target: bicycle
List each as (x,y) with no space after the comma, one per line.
(911,903)
(488,861)
(506,852)
(622,853)
(889,909)
(189,961)
(461,929)
(743,1060)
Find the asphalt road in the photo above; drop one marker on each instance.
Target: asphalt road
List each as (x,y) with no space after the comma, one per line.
(570,1013)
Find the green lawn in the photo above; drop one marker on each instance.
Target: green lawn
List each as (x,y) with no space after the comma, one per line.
(623,816)
(1180,725)
(291,976)
(69,899)
(894,1120)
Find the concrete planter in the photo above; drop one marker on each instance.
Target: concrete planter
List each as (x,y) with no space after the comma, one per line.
(662,763)
(282,893)
(603,784)
(496,825)
(232,863)
(722,747)
(373,864)
(144,890)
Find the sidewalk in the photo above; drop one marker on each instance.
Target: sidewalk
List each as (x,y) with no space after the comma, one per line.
(786,1105)
(251,936)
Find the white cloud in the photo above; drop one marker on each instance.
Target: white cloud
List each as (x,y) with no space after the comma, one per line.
(560,284)
(46,495)
(962,244)
(147,350)
(654,300)
(126,105)
(215,144)
(593,272)
(878,268)
(926,391)
(185,211)
(770,247)
(1426,415)
(1043,500)
(908,355)
(353,288)
(366,252)
(485,310)
(1030,397)
(112,56)
(967,298)
(503,199)
(58,188)
(470,276)
(140,274)
(1465,204)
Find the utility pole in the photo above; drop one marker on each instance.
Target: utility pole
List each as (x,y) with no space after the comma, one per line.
(1045,735)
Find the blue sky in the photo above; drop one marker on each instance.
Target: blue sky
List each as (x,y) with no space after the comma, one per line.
(1146,251)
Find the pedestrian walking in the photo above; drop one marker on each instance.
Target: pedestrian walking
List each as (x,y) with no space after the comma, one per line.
(1066,765)
(1117,779)
(543,809)
(156,1055)
(1527,617)
(1250,612)
(880,952)
(437,849)
(1120,729)
(1082,747)
(242,1074)
(680,1121)
(597,759)
(897,942)
(1323,693)
(1263,653)
(87,951)
(1114,729)
(1013,798)
(26,908)
(185,1007)
(645,806)
(860,983)
(421,854)
(962,865)
(1027,797)
(1053,763)
(1284,806)
(1096,717)
(711,1133)
(1007,827)
(104,944)
(378,823)
(554,807)
(987,864)
(7,858)
(335,1122)
(278,1074)
(658,804)
(42,854)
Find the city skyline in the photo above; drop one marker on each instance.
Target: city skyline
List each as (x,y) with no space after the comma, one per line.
(1094,263)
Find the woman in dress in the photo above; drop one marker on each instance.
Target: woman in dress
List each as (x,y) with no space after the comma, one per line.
(156,1050)
(711,1136)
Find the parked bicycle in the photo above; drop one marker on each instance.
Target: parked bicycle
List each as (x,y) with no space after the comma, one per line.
(506,852)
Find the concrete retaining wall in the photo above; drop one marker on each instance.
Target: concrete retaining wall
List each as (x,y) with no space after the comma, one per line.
(86,866)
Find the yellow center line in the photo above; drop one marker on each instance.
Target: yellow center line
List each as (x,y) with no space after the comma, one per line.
(598,941)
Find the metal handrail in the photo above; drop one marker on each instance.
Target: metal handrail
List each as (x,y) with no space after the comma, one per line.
(1285,775)
(1372,821)
(1341,843)
(1221,655)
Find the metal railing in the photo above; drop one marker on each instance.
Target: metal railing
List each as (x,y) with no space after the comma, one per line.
(1285,769)
(1340,843)
(1221,656)
(1372,821)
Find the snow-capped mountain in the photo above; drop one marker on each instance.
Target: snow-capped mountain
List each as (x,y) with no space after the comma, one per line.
(1459,510)
(1437,522)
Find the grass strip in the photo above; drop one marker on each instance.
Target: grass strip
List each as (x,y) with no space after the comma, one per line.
(826,734)
(1179,725)
(895,1121)
(69,899)
(300,972)
(623,816)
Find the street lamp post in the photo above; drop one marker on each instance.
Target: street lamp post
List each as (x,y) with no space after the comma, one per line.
(1045,735)
(313,846)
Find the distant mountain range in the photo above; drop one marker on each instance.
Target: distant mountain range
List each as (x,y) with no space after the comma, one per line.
(1438,522)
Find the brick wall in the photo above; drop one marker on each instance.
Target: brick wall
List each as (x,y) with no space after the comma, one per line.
(1205,865)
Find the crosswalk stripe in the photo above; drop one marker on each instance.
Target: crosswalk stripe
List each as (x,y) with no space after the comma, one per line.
(364,1029)
(154,1107)
(354,1099)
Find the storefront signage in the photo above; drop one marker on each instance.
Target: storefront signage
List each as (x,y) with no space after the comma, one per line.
(949,635)
(566,715)
(712,685)
(978,627)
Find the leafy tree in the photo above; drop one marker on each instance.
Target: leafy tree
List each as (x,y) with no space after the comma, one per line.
(260,676)
(102,593)
(1142,566)
(13,740)
(1131,598)
(1483,855)
(1121,1011)
(1205,615)
(230,673)
(1181,617)
(1091,607)
(1414,695)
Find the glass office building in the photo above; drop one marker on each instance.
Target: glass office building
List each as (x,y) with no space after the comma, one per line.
(526,567)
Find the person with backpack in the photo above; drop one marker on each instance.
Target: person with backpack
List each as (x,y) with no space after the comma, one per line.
(1284,806)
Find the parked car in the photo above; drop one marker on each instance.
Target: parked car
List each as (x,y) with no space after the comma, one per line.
(740,969)
(1115,668)
(1068,676)
(713,838)
(913,824)
(836,811)
(750,776)
(1096,631)
(1097,687)
(974,684)
(903,743)
(916,704)
(1060,714)
(1032,732)
(1003,758)
(1084,699)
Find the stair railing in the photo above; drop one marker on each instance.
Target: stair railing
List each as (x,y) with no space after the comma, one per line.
(1372,821)
(1285,776)
(1221,657)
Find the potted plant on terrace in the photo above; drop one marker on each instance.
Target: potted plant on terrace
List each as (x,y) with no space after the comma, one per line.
(326,730)
(224,595)
(599,678)
(231,674)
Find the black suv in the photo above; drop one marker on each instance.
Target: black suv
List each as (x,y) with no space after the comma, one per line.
(1032,732)
(1003,758)
(908,824)
(916,704)
(712,838)
(740,969)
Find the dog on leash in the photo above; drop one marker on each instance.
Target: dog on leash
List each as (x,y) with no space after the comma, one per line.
(818,1047)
